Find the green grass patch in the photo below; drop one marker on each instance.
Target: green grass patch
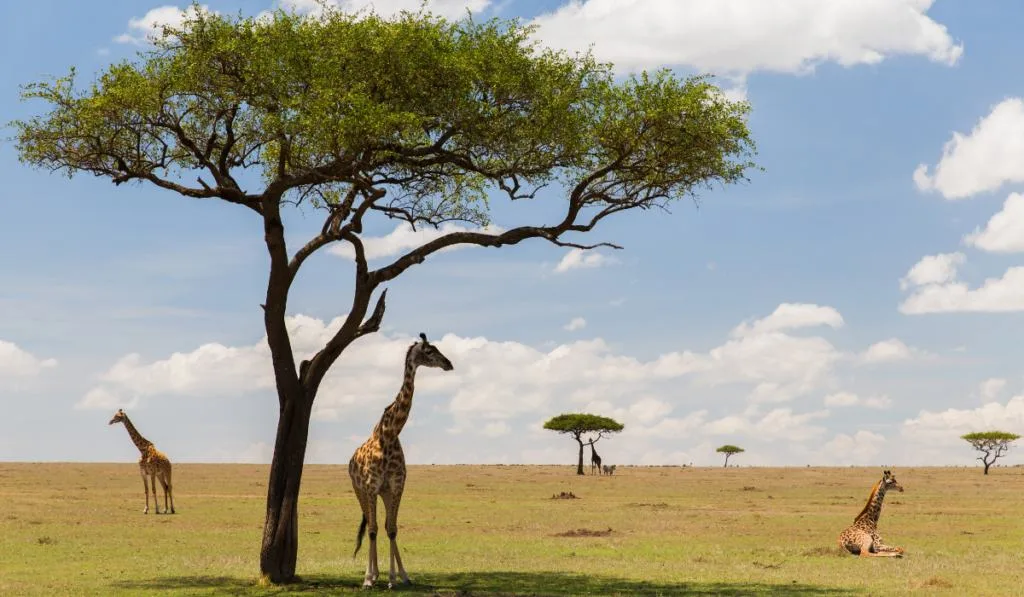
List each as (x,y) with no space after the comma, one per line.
(495,530)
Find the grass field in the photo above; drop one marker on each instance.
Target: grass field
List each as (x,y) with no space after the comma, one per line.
(78,529)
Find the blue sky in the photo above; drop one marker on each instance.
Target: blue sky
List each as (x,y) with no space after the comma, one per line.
(134,297)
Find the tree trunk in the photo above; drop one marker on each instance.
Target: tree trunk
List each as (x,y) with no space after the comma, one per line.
(726,465)
(579,467)
(987,464)
(281,530)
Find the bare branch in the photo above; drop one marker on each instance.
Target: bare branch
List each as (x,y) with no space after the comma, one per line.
(372,324)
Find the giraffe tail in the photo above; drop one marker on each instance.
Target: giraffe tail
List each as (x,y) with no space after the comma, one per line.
(359,536)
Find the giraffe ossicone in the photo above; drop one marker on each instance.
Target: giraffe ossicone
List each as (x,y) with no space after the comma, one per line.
(862,538)
(153,464)
(377,467)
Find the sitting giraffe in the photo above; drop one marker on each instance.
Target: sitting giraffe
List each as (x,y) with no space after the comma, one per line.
(861,538)
(595,460)
(378,466)
(153,462)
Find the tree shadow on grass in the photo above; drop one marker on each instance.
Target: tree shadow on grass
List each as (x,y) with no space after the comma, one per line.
(469,584)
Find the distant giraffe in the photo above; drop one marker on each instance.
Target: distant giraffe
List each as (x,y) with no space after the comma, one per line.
(595,460)
(378,466)
(861,538)
(153,463)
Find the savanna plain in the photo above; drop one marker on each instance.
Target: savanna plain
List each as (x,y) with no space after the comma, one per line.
(78,529)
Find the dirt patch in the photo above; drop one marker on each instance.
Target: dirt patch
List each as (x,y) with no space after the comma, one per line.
(564,496)
(658,506)
(766,566)
(750,488)
(585,533)
(935,582)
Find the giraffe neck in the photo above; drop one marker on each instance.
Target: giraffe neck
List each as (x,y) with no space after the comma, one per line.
(140,442)
(397,413)
(873,508)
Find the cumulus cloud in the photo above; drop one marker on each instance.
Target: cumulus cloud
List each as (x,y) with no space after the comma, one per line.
(577,323)
(933,269)
(988,157)
(995,295)
(843,399)
(948,425)
(579,259)
(888,351)
(144,29)
(789,316)
(861,448)
(1004,232)
(737,37)
(16,362)
(404,238)
(500,389)
(989,389)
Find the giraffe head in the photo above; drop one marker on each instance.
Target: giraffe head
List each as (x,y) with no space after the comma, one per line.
(118,417)
(425,354)
(890,482)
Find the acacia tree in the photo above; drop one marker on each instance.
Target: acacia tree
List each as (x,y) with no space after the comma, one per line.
(413,118)
(729,450)
(991,444)
(577,424)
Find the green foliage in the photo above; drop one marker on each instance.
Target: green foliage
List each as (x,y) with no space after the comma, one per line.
(730,449)
(990,436)
(439,110)
(577,424)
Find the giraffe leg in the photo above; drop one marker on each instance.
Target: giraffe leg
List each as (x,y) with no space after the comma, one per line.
(156,500)
(145,486)
(888,550)
(372,570)
(392,500)
(169,491)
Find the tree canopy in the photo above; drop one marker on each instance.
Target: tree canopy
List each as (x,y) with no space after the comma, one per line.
(992,445)
(577,424)
(351,117)
(729,450)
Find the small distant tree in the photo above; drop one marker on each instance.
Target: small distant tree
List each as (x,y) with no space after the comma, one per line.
(991,444)
(578,424)
(729,450)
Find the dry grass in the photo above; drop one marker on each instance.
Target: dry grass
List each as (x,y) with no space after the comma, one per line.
(494,530)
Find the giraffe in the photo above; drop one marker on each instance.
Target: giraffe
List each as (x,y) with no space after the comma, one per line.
(861,538)
(153,462)
(378,466)
(595,460)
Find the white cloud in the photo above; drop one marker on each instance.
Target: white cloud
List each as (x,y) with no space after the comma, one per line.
(843,399)
(736,37)
(501,389)
(989,389)
(1004,232)
(578,258)
(888,351)
(577,323)
(451,9)
(995,295)
(404,238)
(991,155)
(18,363)
(861,448)
(144,29)
(933,269)
(789,316)
(947,426)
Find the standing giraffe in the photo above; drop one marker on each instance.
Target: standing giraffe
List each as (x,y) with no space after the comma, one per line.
(595,460)
(153,462)
(378,466)
(861,538)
